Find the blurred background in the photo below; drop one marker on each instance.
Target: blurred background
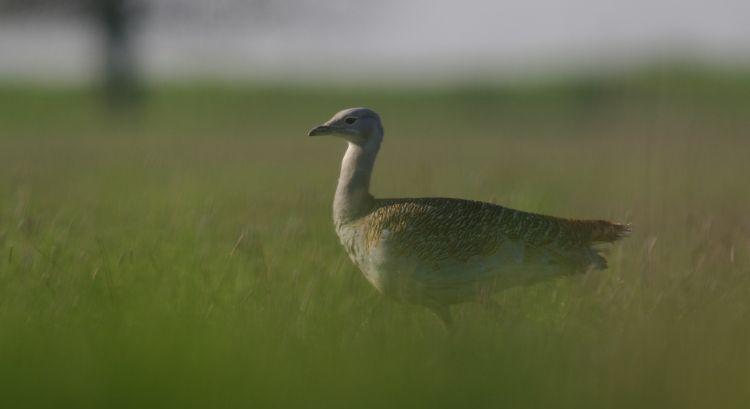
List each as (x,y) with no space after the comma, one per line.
(363,41)
(165,225)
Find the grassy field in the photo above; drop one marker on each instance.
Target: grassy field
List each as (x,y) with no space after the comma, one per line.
(183,255)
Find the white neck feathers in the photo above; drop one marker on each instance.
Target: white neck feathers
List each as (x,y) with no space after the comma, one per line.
(353,197)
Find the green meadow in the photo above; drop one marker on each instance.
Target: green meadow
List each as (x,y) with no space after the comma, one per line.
(182,254)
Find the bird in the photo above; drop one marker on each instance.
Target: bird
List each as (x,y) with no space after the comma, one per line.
(438,252)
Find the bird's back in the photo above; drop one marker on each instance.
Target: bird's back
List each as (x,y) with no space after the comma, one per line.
(436,229)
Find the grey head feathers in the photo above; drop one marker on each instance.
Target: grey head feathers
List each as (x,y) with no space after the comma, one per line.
(357,125)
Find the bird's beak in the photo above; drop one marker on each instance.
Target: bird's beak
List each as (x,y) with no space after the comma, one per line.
(320,130)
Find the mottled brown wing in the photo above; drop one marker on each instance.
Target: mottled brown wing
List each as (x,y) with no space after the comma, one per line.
(438,229)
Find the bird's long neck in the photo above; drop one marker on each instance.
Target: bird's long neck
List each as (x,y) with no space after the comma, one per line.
(353,197)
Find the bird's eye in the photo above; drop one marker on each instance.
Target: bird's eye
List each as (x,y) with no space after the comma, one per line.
(350,120)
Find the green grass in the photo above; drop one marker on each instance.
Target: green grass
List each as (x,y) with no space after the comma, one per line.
(183,255)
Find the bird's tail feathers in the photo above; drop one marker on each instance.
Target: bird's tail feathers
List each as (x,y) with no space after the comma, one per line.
(602,231)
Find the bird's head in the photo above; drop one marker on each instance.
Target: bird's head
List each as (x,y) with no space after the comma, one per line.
(360,126)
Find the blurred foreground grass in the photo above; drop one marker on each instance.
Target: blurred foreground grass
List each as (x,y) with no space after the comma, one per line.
(183,255)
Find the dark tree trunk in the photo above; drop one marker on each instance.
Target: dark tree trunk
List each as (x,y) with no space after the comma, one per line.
(116,18)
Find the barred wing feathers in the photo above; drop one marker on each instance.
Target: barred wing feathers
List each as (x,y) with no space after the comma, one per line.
(438,230)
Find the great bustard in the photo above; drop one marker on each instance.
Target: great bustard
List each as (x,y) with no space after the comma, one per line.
(438,251)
